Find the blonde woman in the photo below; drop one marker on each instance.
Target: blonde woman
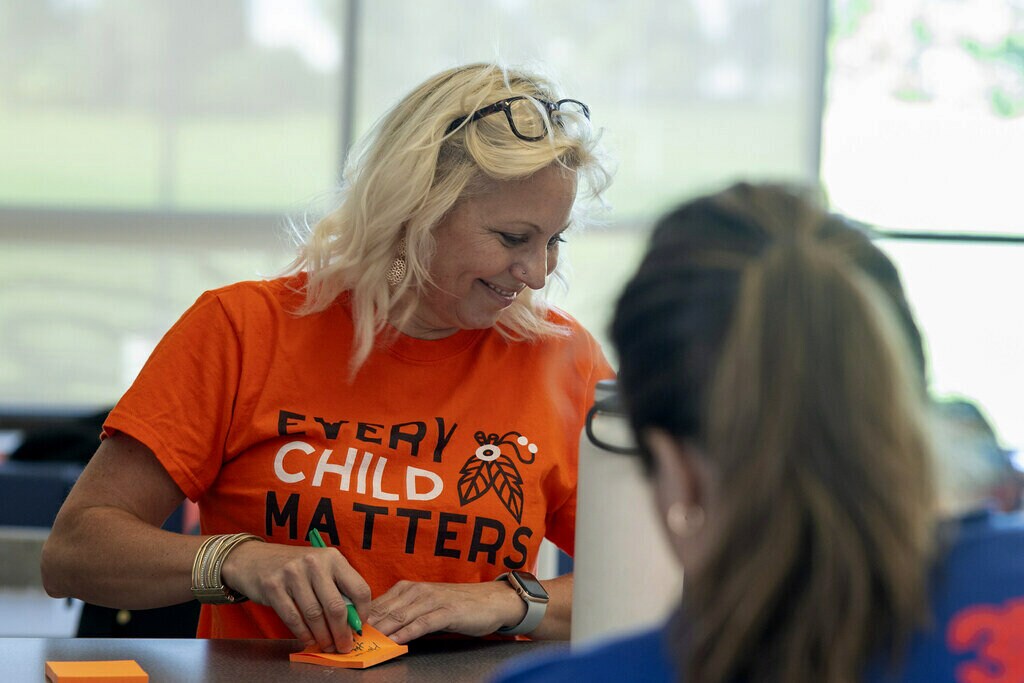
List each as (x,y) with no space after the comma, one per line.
(402,391)
(774,375)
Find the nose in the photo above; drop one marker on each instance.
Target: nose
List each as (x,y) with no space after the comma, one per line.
(532,270)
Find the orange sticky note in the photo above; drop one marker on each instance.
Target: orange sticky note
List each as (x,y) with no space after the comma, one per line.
(373,647)
(115,671)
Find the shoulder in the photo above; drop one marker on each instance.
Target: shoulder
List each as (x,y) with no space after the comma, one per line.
(977,599)
(982,562)
(557,316)
(285,292)
(985,538)
(639,657)
(566,345)
(251,309)
(572,333)
(256,303)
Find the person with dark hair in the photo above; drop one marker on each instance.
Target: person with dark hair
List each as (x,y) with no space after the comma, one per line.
(404,389)
(773,375)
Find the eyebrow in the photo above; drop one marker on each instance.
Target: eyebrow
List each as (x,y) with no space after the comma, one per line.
(536,228)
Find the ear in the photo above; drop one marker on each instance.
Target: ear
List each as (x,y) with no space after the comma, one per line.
(678,475)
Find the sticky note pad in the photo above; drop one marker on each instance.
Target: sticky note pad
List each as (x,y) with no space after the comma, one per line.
(373,647)
(116,671)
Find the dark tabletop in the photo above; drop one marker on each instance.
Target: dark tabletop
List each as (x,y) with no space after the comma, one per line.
(171,660)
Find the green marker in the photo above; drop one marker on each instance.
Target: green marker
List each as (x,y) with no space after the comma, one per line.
(353,617)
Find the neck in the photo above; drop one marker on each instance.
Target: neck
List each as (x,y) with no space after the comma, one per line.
(415,327)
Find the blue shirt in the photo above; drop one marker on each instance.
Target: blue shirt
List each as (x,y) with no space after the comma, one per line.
(977,610)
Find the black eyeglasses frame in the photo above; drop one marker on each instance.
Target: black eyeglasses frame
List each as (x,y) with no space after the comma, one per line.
(505,105)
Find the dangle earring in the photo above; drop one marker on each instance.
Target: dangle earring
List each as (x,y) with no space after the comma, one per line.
(396,273)
(683,520)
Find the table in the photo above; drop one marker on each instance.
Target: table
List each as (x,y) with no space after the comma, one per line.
(194,660)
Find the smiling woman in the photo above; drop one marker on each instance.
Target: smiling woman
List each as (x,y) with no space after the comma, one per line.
(491,247)
(401,389)
(430,166)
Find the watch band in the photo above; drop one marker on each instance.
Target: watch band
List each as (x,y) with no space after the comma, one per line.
(535,607)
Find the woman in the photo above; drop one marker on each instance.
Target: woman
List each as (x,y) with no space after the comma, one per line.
(401,392)
(773,373)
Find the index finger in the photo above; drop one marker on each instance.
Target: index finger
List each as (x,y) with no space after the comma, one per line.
(353,588)
(334,608)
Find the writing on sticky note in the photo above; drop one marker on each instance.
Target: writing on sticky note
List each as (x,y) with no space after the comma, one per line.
(373,647)
(112,671)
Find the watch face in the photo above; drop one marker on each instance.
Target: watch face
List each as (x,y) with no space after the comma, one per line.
(530,584)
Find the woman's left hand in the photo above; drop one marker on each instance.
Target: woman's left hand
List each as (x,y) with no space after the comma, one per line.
(411,609)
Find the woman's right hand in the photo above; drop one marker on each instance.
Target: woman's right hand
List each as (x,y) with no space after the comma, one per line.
(306,586)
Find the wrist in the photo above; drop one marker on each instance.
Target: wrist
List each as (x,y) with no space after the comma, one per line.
(532,595)
(513,609)
(208,583)
(233,569)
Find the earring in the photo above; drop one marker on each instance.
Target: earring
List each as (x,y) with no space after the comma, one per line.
(396,273)
(684,520)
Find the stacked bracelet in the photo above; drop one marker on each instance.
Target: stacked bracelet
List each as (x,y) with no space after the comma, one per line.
(207,584)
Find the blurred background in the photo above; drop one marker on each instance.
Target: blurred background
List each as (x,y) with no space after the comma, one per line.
(153,149)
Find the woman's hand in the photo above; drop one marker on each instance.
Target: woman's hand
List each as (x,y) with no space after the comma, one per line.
(305,586)
(412,609)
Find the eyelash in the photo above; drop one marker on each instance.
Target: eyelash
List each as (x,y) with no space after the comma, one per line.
(516,240)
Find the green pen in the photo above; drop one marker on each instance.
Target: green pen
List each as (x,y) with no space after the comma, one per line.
(353,617)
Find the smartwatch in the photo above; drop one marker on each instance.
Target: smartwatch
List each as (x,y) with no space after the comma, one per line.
(535,597)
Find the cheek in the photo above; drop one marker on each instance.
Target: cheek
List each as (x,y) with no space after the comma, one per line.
(552,261)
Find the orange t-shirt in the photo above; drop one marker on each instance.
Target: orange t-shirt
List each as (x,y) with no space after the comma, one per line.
(445,460)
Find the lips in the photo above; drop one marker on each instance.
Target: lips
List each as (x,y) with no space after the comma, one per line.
(504,293)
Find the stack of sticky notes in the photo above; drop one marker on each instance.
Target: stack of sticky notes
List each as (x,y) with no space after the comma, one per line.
(117,671)
(373,647)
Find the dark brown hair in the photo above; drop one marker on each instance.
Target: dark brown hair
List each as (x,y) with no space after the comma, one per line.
(777,337)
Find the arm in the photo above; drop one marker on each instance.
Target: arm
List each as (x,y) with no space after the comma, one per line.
(106,547)
(410,609)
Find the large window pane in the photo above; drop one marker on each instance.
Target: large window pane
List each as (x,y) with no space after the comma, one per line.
(76,332)
(167,104)
(924,128)
(966,298)
(923,131)
(150,149)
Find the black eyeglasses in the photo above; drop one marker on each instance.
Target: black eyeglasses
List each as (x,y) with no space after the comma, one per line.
(525,119)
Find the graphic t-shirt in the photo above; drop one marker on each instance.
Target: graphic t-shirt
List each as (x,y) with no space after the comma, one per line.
(446,460)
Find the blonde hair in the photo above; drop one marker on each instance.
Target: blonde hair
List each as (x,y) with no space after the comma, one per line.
(777,337)
(410,172)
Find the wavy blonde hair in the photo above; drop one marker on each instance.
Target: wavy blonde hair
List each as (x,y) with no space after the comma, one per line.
(409,172)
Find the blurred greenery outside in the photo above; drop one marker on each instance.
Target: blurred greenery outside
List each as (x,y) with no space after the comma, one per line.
(67,158)
(75,159)
(76,135)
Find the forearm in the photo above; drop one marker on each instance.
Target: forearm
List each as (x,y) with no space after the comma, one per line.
(107,556)
(557,622)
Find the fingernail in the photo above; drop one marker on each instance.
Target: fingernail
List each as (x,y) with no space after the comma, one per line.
(329,648)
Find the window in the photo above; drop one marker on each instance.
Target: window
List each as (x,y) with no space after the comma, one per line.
(922,136)
(152,149)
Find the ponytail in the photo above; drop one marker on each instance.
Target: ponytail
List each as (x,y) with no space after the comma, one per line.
(808,401)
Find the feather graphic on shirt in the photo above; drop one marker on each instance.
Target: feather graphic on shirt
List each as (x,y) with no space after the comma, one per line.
(475,479)
(508,484)
(491,468)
